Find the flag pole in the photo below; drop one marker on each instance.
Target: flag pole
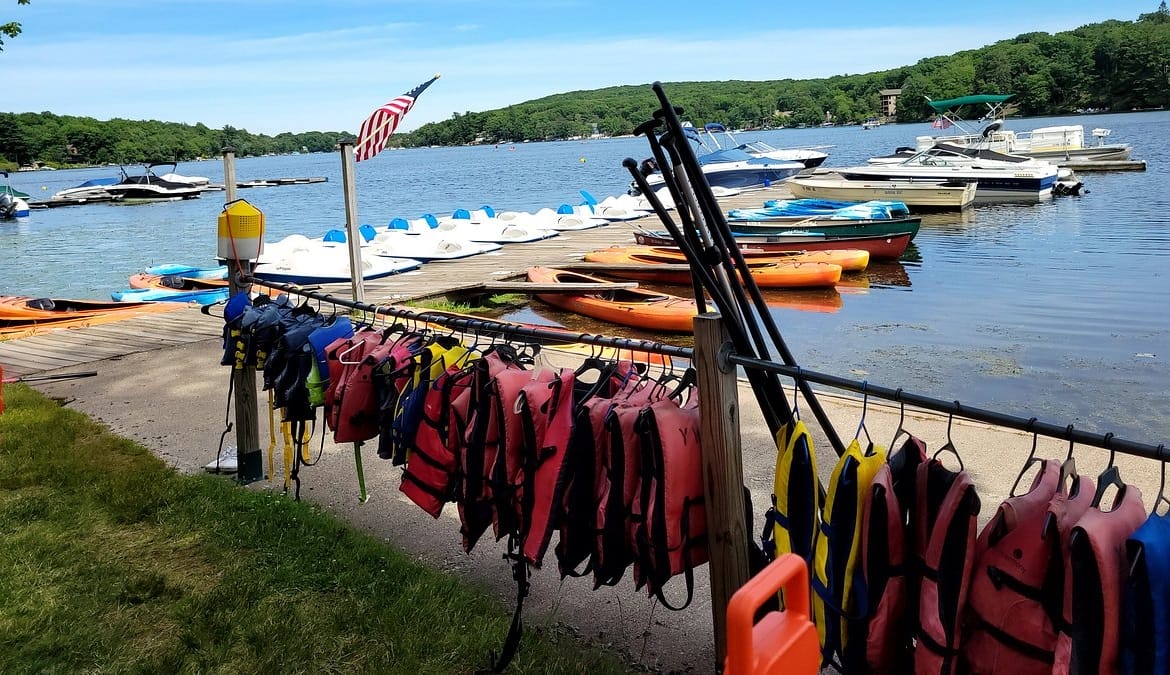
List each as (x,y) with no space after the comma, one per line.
(352,236)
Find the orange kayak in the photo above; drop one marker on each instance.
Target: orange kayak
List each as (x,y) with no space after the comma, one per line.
(633,307)
(175,282)
(18,310)
(765,274)
(850,259)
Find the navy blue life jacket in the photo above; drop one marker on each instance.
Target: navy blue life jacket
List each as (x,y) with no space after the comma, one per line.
(1145,609)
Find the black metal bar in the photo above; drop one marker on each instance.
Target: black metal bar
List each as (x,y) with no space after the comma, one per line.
(487,325)
(1030,425)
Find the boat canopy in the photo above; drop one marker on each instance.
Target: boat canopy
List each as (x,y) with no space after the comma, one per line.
(947,104)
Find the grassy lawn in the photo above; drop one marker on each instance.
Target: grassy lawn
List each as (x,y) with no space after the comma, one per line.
(113,562)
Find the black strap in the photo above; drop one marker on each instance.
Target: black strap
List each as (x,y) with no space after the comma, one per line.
(1014,643)
(516,630)
(1001,579)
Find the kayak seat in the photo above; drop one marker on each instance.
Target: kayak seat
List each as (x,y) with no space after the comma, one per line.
(41,303)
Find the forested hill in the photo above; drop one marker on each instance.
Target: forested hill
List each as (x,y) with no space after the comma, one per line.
(1114,65)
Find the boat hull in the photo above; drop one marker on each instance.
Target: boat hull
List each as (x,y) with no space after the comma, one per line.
(849,260)
(827,227)
(636,308)
(919,196)
(879,247)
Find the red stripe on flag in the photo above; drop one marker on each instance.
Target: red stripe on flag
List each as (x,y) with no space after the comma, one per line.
(382,123)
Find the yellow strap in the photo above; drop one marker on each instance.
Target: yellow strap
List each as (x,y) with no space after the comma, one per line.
(286,434)
(271,436)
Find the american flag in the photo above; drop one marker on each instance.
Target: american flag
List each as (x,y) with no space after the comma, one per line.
(941,123)
(380,125)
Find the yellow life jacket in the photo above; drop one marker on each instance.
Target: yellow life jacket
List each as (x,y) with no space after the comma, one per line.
(796,495)
(836,559)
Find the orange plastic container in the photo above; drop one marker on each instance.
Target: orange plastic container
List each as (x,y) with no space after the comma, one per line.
(782,642)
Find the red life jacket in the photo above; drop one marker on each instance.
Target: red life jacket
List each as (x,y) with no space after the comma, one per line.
(1066,508)
(504,468)
(429,477)
(946,524)
(343,362)
(1099,568)
(880,643)
(615,480)
(672,534)
(1011,632)
(359,416)
(546,409)
(477,454)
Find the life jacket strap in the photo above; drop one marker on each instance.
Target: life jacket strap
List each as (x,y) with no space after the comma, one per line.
(1014,643)
(500,662)
(1002,579)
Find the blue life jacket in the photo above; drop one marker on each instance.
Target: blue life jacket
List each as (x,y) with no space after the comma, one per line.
(1145,608)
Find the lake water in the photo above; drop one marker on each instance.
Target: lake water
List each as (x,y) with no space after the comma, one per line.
(1059,310)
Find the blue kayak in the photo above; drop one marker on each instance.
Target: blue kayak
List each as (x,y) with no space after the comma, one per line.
(205,296)
(189,271)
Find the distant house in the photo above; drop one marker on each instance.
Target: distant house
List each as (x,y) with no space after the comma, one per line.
(889,101)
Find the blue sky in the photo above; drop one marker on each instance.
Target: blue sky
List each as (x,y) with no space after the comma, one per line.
(291,65)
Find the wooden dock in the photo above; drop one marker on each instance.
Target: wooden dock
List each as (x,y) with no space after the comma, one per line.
(488,272)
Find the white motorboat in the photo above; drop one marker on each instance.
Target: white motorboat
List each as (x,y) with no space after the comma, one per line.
(1056,143)
(298,259)
(919,195)
(13,204)
(150,187)
(811,157)
(999,177)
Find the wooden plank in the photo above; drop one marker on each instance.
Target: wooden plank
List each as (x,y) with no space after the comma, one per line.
(70,352)
(28,363)
(40,353)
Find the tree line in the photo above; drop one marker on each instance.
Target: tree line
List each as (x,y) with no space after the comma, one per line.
(1113,65)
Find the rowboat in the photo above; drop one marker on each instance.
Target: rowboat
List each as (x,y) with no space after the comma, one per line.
(916,194)
(827,226)
(767,274)
(22,310)
(879,247)
(850,260)
(632,307)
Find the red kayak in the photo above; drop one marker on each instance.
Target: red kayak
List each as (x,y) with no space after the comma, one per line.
(880,247)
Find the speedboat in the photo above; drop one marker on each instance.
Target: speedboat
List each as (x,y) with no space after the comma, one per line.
(729,169)
(999,176)
(93,190)
(811,157)
(150,187)
(13,203)
(1056,143)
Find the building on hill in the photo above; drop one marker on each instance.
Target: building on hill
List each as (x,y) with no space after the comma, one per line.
(889,101)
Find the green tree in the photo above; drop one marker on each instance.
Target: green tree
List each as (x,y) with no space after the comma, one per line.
(12,28)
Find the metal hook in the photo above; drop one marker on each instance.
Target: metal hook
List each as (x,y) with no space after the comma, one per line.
(1031,457)
(1161,483)
(951,419)
(901,416)
(1069,433)
(864,406)
(796,393)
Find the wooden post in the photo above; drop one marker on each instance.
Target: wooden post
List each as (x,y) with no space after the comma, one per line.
(352,235)
(249,460)
(722,471)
